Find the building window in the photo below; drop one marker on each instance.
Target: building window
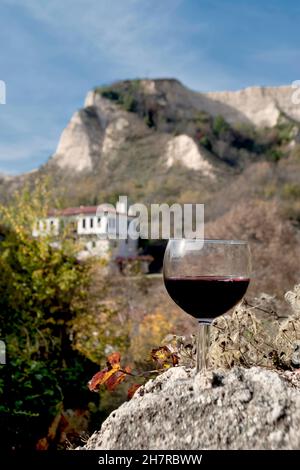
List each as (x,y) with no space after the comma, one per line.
(51,223)
(92,222)
(83,223)
(99,220)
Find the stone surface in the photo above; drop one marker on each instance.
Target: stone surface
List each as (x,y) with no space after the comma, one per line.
(182,149)
(80,141)
(237,409)
(293,298)
(101,127)
(259,105)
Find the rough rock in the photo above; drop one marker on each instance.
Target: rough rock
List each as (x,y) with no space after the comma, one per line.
(94,132)
(293,298)
(182,149)
(260,105)
(101,127)
(237,409)
(80,141)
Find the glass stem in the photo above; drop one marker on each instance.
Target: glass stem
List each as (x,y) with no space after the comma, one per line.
(202,345)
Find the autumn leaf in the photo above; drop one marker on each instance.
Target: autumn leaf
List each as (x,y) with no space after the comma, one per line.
(42,444)
(164,357)
(102,377)
(111,376)
(117,378)
(113,359)
(96,380)
(132,390)
(161,354)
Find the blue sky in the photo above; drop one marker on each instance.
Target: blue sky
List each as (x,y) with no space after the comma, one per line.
(54,51)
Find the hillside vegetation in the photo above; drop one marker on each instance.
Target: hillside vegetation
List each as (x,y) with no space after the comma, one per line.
(156,141)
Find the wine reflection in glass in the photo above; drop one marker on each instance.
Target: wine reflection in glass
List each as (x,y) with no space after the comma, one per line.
(206,278)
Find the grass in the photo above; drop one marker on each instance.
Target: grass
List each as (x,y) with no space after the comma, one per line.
(258,334)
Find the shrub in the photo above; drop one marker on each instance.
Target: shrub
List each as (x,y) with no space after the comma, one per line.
(285,132)
(205,142)
(291,191)
(123,97)
(128,102)
(220,126)
(42,289)
(111,95)
(264,333)
(274,155)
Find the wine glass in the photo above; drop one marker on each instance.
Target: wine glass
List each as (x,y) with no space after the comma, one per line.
(206,278)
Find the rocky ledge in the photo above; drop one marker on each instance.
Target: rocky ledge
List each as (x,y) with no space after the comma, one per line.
(241,408)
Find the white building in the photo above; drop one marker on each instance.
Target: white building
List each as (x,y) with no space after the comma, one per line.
(98,231)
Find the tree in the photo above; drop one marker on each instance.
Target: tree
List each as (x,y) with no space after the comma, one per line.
(42,289)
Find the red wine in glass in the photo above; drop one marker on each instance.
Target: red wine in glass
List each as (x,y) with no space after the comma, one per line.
(213,295)
(206,278)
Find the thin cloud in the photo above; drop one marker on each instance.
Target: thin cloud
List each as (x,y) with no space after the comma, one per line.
(136,38)
(279,56)
(21,156)
(53,52)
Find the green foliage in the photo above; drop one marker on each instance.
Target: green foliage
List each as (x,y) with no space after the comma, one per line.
(111,94)
(274,155)
(42,289)
(129,103)
(125,97)
(220,126)
(285,132)
(95,333)
(205,142)
(286,129)
(291,191)
(245,129)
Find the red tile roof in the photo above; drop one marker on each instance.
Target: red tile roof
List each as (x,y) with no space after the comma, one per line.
(73,211)
(81,210)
